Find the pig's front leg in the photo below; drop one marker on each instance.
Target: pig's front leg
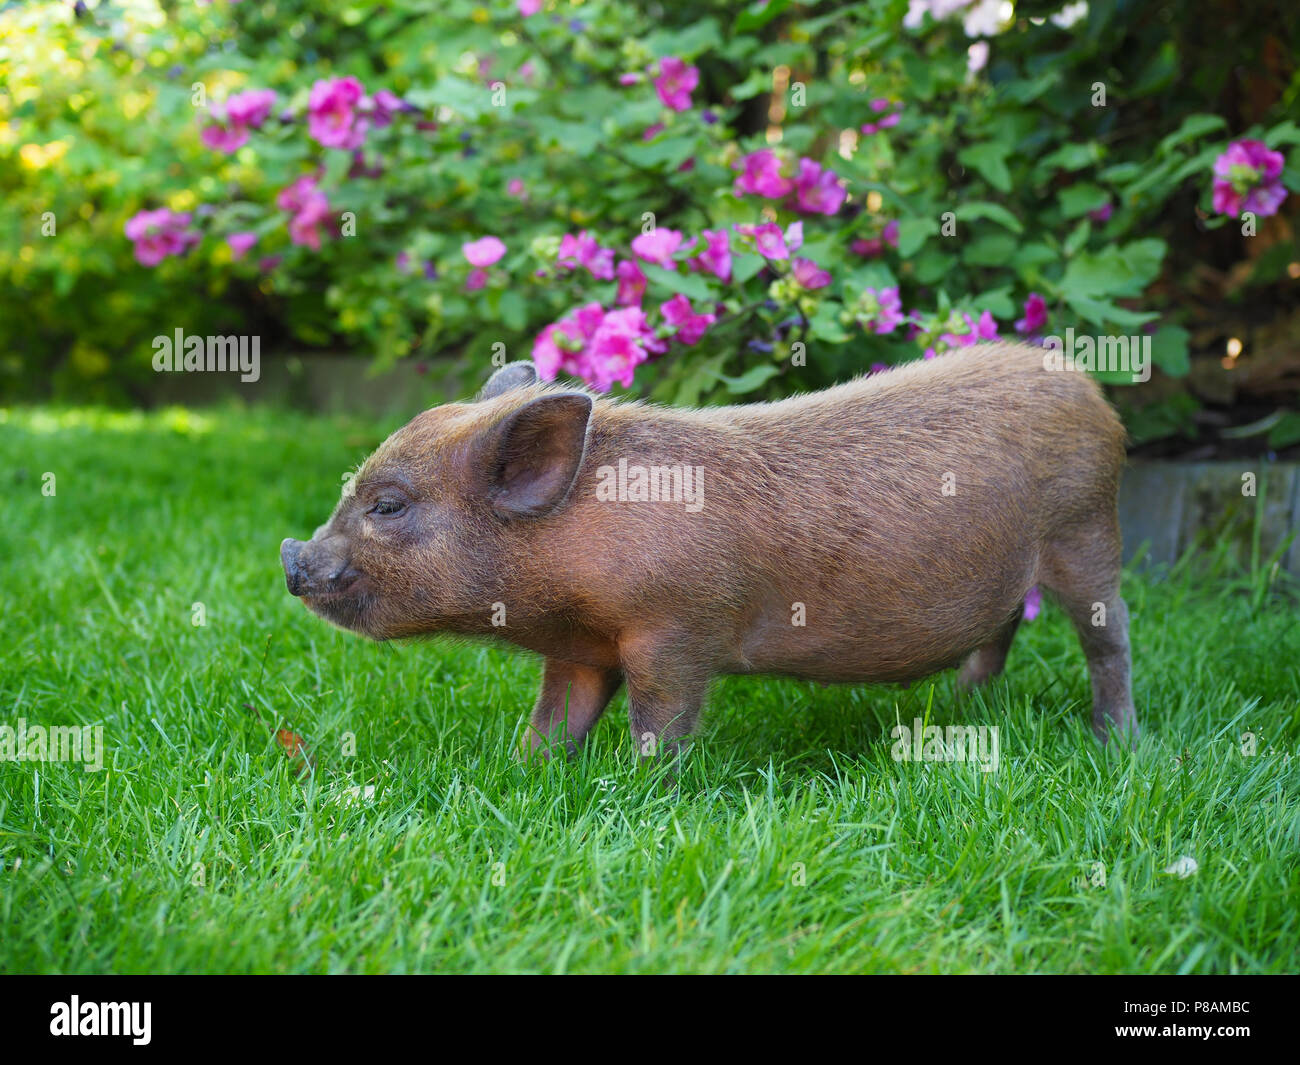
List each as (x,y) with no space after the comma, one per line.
(665,690)
(570,703)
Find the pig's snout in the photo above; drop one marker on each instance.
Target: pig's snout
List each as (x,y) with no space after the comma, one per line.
(310,572)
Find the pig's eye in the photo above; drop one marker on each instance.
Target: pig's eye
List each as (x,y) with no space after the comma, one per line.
(388,506)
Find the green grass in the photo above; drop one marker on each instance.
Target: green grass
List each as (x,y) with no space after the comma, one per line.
(198,849)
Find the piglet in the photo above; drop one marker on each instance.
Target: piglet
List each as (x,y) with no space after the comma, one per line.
(878,531)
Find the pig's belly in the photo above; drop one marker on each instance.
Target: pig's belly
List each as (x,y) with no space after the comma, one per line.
(875,638)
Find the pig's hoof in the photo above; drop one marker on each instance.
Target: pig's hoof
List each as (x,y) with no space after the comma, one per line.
(1126,732)
(542,749)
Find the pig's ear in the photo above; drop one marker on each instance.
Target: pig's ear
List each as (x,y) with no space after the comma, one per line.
(533,455)
(511,376)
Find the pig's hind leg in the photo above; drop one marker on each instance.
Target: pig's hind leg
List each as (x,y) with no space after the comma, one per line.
(985,663)
(1082,570)
(570,703)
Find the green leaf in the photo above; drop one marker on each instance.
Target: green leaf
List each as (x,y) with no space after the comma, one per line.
(1077,238)
(825,323)
(745,265)
(1104,313)
(669,151)
(579,139)
(1121,173)
(995,249)
(989,159)
(994,212)
(758,14)
(912,233)
(930,267)
(466,98)
(1026,90)
(997,301)
(751,380)
(758,81)
(1072,157)
(1081,198)
(1286,432)
(513,310)
(1159,73)
(1193,126)
(690,285)
(1036,254)
(1169,350)
(1122,271)
(1284,133)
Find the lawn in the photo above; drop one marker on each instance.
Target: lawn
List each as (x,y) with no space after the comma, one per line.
(794,842)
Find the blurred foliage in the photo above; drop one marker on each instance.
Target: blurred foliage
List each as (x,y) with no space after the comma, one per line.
(101,112)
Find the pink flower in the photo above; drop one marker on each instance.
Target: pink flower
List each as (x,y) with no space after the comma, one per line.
(222,138)
(716,256)
(810,275)
(621,343)
(515,187)
(1035,315)
(631,284)
(1247,178)
(816,190)
(483,252)
(629,79)
(250,108)
(158,234)
(309,207)
(885,122)
(986,328)
(332,113)
(770,242)
(657,246)
(690,326)
(1033,603)
(383,106)
(598,346)
(240,243)
(563,344)
(676,82)
(528,8)
(234,118)
(476,280)
(875,246)
(1102,213)
(583,250)
(761,176)
(880,310)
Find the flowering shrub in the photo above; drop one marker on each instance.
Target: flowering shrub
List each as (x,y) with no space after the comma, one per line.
(711,203)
